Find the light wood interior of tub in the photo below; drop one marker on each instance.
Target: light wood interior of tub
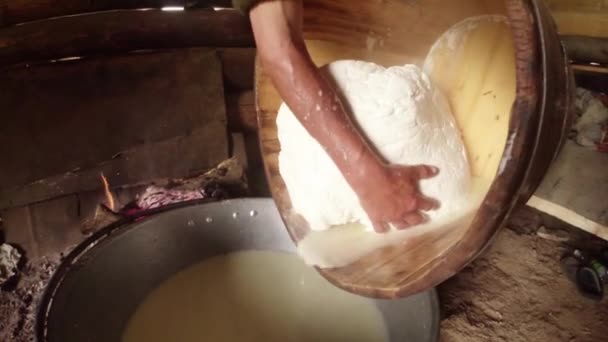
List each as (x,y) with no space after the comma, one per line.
(478,80)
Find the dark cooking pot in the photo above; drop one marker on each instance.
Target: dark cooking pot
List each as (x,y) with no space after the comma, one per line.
(99,285)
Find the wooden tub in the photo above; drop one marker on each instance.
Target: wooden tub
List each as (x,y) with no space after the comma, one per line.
(509,88)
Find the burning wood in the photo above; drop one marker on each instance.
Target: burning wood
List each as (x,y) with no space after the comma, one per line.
(105,213)
(227,180)
(224,181)
(108,193)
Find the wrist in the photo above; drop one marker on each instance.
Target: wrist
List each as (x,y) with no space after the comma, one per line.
(362,174)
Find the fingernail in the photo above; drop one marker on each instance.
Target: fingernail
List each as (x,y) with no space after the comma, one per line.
(435,169)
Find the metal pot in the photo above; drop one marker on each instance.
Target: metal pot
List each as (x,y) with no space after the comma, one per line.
(100,284)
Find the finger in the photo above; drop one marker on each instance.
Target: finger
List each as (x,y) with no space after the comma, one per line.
(415,218)
(426,203)
(411,204)
(401,225)
(381,227)
(425,171)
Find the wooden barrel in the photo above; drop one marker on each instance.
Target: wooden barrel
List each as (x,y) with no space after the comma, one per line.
(504,72)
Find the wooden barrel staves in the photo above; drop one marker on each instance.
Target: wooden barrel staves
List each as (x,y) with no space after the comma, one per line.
(509,88)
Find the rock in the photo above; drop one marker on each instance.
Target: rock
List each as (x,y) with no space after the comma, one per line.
(9,260)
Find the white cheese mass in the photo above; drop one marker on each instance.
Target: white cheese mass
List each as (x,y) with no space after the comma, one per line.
(406,119)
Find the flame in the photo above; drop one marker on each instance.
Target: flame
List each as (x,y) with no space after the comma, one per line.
(108,193)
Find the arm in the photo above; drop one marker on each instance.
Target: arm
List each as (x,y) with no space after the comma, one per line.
(388,194)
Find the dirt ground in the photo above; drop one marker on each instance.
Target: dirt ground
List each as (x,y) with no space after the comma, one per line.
(19,299)
(516,291)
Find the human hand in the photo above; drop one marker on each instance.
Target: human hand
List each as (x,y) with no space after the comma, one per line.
(390,194)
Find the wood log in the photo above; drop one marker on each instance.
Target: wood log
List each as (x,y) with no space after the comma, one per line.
(120,31)
(582,49)
(581,17)
(20,11)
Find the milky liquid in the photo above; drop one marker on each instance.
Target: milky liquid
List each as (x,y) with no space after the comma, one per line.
(253,296)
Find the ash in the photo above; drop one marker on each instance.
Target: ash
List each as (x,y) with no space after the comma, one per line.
(19,299)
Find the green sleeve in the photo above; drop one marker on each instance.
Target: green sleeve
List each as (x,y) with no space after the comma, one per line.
(243,5)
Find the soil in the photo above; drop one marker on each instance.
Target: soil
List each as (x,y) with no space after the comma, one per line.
(517,291)
(19,299)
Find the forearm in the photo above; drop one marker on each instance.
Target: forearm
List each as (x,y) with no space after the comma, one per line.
(389,194)
(317,106)
(310,96)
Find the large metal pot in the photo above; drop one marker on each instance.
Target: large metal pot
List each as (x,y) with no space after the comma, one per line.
(97,288)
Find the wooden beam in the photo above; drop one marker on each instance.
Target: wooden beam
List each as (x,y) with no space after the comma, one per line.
(20,11)
(590,69)
(591,77)
(120,31)
(582,49)
(569,216)
(581,17)
(578,5)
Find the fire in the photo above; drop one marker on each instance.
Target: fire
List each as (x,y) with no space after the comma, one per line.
(108,193)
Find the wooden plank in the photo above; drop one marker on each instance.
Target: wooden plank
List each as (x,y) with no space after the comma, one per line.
(145,116)
(569,216)
(575,189)
(583,17)
(177,157)
(578,5)
(240,107)
(86,112)
(591,77)
(590,68)
(238,68)
(119,31)
(583,24)
(60,219)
